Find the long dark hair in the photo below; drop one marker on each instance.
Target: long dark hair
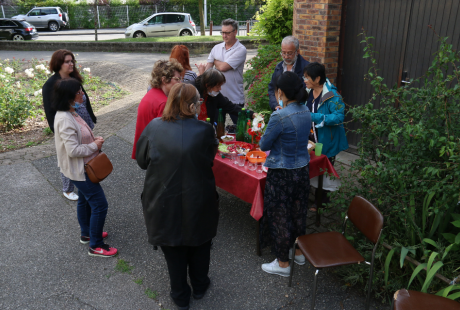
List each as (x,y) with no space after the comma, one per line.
(65,91)
(292,86)
(58,59)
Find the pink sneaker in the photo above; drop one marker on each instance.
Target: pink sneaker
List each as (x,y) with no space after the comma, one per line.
(85,240)
(103,251)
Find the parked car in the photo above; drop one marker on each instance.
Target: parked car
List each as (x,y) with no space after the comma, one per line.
(163,25)
(17,30)
(52,18)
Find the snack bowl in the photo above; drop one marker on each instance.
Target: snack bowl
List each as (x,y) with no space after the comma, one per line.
(227,138)
(256,156)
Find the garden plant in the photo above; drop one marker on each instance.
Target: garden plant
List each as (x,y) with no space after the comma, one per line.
(21,101)
(409,168)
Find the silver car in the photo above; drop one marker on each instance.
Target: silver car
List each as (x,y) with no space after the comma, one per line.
(163,25)
(52,18)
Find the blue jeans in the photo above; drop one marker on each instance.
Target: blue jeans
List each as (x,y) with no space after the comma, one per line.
(91,210)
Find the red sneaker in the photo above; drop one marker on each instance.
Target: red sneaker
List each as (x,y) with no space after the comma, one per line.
(85,240)
(103,251)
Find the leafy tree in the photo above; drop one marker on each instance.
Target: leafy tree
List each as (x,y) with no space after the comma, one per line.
(275,20)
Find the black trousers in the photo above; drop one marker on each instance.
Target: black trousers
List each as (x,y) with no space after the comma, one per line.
(197,260)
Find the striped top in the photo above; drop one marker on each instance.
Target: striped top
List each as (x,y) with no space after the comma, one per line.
(86,135)
(190,77)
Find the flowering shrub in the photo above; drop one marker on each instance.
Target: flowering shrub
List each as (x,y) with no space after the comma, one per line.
(259,76)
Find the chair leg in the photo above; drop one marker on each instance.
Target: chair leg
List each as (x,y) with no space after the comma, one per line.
(291,263)
(313,297)
(368,298)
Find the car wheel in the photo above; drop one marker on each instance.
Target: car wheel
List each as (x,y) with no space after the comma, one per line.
(185,33)
(53,26)
(139,34)
(18,37)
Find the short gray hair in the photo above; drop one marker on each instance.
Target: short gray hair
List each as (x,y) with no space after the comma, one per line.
(230,22)
(291,40)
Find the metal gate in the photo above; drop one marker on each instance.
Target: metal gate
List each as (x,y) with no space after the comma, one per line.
(403,40)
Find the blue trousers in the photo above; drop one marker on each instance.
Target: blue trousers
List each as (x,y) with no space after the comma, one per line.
(91,210)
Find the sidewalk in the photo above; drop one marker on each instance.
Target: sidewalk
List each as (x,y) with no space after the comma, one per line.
(44,266)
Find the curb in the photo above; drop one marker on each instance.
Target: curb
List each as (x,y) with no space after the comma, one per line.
(137,47)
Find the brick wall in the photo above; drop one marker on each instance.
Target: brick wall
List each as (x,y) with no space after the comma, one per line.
(317,26)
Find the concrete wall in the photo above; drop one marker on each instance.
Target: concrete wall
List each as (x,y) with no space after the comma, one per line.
(137,47)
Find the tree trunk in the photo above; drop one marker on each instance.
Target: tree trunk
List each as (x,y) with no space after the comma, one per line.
(95,20)
(202,25)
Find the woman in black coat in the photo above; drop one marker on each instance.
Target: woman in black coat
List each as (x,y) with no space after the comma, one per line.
(179,198)
(64,66)
(209,85)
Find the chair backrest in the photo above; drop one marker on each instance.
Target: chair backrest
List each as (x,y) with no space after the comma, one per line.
(409,300)
(366,218)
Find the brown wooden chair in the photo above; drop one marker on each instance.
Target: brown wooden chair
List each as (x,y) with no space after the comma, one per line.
(410,300)
(331,249)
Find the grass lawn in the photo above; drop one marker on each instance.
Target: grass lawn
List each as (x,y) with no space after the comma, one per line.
(183,39)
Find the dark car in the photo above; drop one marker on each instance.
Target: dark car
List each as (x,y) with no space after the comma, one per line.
(17,30)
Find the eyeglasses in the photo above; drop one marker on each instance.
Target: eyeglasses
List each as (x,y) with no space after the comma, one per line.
(287,53)
(177,79)
(226,33)
(306,79)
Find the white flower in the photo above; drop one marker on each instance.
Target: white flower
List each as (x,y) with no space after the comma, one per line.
(29,73)
(7,80)
(87,70)
(2,76)
(38,93)
(1,64)
(47,71)
(18,85)
(40,67)
(259,119)
(9,70)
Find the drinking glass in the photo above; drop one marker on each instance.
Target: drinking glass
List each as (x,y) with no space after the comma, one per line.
(259,168)
(251,166)
(241,160)
(235,158)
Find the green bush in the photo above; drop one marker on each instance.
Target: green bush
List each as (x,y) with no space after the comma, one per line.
(259,76)
(409,167)
(275,20)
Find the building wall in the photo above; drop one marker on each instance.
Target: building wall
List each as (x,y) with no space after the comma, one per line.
(317,26)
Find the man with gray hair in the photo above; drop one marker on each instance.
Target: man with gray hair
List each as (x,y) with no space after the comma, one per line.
(229,57)
(292,61)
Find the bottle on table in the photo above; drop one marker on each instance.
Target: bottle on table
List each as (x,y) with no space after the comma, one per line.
(247,136)
(241,125)
(220,125)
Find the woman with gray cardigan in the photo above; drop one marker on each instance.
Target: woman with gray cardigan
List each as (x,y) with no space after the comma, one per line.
(76,146)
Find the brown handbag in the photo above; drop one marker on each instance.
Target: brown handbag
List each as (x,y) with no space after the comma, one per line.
(98,168)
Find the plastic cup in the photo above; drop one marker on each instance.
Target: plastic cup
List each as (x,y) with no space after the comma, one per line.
(241,160)
(251,166)
(259,168)
(318,149)
(235,158)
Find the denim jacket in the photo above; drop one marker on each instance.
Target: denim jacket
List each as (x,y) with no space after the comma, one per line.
(286,137)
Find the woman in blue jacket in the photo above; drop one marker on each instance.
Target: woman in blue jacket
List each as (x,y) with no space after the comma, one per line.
(327,115)
(288,182)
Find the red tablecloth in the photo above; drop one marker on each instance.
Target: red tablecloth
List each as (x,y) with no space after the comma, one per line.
(249,185)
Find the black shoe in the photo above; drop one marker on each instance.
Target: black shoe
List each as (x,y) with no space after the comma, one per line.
(200,296)
(183,308)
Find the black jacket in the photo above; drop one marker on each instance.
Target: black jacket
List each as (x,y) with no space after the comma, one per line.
(179,196)
(47,92)
(300,64)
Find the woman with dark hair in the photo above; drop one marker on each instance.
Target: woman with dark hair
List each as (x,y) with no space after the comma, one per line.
(181,54)
(209,85)
(63,65)
(327,114)
(165,74)
(288,183)
(179,197)
(76,146)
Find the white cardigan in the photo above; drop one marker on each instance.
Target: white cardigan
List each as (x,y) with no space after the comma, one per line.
(70,152)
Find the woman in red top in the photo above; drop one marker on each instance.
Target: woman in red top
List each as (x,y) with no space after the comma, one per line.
(165,74)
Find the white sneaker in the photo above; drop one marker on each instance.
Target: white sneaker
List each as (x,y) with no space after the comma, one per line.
(71,196)
(274,268)
(298,259)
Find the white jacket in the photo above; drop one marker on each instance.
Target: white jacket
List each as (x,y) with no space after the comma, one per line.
(70,152)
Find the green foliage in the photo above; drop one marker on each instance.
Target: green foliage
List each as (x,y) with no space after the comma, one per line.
(275,20)
(259,76)
(139,281)
(47,131)
(409,167)
(123,266)
(151,294)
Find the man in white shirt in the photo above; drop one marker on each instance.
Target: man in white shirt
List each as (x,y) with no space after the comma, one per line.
(229,58)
